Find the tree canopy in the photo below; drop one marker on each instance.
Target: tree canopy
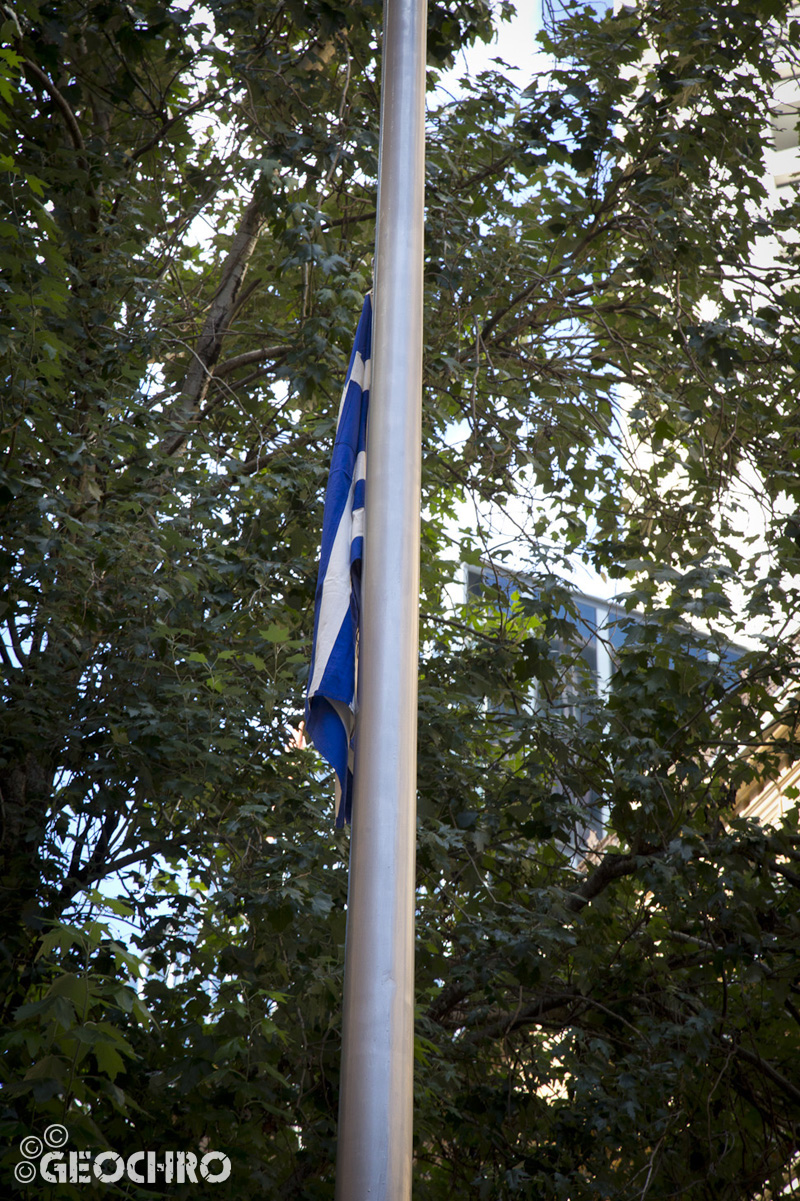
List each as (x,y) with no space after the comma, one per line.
(188,199)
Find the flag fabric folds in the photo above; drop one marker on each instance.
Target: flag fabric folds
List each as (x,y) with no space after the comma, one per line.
(331,697)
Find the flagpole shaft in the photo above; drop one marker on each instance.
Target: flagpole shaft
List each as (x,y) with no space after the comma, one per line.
(376,1098)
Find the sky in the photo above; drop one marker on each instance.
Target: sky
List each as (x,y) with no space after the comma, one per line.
(516,40)
(516,44)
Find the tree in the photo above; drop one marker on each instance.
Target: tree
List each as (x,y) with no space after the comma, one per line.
(189,205)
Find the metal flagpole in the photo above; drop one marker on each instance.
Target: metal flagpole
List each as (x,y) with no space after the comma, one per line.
(376,1098)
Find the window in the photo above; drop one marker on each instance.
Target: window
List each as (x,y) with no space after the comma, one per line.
(590,633)
(597,626)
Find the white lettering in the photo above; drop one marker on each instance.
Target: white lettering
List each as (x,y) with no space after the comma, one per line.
(79,1167)
(185,1165)
(56,1158)
(215,1177)
(133,1160)
(141,1167)
(190,1160)
(117,1162)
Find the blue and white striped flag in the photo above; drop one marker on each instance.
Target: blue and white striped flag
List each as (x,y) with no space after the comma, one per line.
(331,697)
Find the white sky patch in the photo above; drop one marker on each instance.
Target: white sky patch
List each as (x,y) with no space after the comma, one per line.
(501,526)
(515,43)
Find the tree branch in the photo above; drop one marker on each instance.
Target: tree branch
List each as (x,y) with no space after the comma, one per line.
(94,870)
(250,466)
(66,112)
(772,1074)
(168,123)
(448,999)
(249,356)
(217,323)
(613,866)
(529,1015)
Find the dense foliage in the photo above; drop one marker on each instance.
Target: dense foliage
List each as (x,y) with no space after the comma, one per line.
(610,376)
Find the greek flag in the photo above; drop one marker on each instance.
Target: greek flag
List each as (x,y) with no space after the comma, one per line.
(331,697)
